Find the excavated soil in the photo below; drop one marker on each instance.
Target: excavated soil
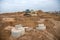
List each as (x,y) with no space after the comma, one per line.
(52,32)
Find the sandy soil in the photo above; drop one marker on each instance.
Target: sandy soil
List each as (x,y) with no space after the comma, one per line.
(52,32)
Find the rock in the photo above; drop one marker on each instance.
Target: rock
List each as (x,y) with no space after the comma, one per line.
(41,27)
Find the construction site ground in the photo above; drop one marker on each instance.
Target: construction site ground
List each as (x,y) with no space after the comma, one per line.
(51,21)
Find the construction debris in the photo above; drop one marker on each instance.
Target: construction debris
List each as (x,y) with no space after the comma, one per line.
(17,31)
(41,27)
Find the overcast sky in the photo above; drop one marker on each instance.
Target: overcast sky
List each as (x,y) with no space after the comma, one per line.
(20,5)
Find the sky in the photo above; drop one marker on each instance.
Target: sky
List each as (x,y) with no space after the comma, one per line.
(21,5)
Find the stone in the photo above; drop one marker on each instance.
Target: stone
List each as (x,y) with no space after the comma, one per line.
(17,31)
(41,27)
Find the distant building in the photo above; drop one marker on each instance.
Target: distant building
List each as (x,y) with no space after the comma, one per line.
(27,12)
(33,14)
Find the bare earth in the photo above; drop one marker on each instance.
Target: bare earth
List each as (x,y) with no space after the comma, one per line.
(51,21)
